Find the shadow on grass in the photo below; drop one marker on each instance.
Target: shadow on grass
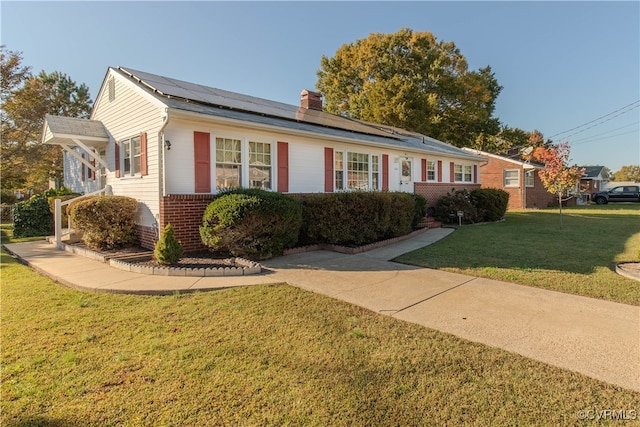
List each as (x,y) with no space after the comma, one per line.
(533,240)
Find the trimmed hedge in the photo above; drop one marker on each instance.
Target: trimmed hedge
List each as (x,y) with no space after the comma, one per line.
(107,222)
(359,218)
(479,205)
(32,217)
(251,223)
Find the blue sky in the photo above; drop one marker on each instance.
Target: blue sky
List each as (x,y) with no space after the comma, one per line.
(562,64)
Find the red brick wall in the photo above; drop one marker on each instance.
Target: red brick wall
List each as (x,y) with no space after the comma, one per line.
(185,212)
(148,236)
(492,176)
(435,190)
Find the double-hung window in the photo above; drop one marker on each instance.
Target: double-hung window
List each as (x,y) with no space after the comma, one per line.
(529,178)
(462,173)
(512,178)
(431,170)
(228,163)
(260,165)
(131,156)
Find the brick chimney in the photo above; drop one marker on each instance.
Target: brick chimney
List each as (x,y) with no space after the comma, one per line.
(311,100)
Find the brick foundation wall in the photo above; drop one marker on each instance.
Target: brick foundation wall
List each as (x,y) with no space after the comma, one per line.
(185,212)
(435,190)
(147,236)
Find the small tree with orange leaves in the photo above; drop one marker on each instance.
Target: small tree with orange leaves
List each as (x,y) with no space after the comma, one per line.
(557,177)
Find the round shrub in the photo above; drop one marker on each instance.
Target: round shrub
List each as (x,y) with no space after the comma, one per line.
(491,203)
(168,250)
(253,224)
(448,206)
(107,222)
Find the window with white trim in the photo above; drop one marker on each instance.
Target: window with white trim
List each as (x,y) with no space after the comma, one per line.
(529,178)
(339,170)
(228,163)
(360,171)
(131,156)
(431,171)
(511,178)
(375,173)
(260,165)
(357,171)
(462,173)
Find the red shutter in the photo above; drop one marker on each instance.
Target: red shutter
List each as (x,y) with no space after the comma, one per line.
(283,167)
(84,168)
(144,168)
(202,167)
(439,170)
(424,170)
(475,174)
(385,172)
(117,159)
(328,170)
(452,172)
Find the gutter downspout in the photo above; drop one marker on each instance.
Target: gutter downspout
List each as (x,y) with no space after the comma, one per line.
(161,141)
(163,168)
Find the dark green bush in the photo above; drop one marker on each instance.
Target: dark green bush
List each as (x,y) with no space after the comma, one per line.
(420,208)
(168,250)
(8,197)
(448,206)
(107,222)
(251,223)
(32,217)
(491,203)
(357,218)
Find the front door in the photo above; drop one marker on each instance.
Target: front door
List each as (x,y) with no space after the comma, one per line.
(406,175)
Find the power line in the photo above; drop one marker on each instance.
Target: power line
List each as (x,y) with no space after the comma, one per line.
(604,133)
(634,105)
(604,137)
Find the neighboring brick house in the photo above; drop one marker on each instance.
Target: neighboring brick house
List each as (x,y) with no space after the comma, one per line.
(172,145)
(592,181)
(517,177)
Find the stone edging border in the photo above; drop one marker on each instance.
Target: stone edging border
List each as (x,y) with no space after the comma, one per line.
(243,266)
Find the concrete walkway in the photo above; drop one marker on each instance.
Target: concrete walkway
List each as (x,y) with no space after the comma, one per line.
(597,338)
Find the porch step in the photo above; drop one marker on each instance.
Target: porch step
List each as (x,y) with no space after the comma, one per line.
(429,222)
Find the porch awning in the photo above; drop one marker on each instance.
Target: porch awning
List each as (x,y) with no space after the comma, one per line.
(71,132)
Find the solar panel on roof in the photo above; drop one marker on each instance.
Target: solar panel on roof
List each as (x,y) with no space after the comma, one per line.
(218,97)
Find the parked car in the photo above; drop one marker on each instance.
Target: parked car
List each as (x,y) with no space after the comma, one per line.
(623,193)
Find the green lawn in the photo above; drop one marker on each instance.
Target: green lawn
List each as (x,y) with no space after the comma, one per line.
(263,355)
(530,248)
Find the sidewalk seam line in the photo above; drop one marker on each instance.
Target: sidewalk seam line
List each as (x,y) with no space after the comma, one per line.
(435,295)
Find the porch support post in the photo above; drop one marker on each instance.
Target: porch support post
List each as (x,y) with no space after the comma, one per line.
(91,153)
(57,216)
(78,157)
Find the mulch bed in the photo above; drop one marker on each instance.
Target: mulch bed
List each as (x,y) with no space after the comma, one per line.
(142,256)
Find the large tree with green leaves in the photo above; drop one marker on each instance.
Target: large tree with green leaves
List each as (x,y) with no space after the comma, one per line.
(627,173)
(26,162)
(413,81)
